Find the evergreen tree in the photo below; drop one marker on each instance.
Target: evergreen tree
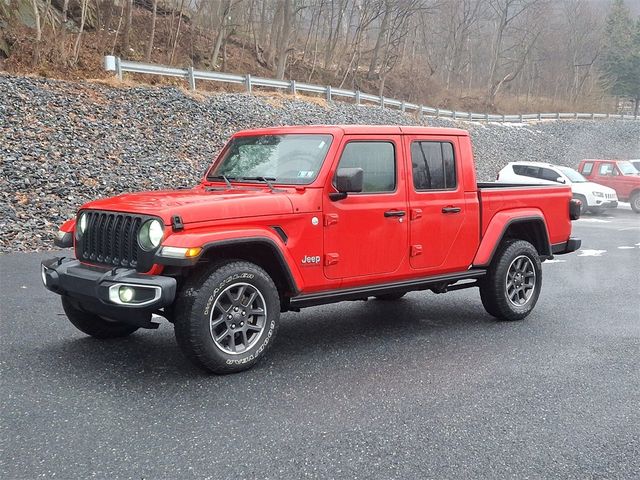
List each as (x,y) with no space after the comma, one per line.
(621,56)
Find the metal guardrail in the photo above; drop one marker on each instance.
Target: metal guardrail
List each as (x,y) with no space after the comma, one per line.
(115,64)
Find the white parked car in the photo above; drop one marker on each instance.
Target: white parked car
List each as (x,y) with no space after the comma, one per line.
(594,197)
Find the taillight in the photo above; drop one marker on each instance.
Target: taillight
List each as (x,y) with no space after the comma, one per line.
(574,208)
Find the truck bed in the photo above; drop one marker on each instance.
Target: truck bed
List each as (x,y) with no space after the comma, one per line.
(545,199)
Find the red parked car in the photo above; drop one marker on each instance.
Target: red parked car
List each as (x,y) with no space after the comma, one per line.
(621,175)
(292,217)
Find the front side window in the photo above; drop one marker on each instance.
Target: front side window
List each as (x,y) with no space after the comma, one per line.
(548,174)
(378,162)
(433,165)
(606,169)
(587,168)
(288,159)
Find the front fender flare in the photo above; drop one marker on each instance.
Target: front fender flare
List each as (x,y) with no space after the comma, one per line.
(223,238)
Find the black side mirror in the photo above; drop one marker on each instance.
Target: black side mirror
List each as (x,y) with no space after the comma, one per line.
(348,180)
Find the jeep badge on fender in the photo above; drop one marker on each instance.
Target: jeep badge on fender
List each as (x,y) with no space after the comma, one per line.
(385,210)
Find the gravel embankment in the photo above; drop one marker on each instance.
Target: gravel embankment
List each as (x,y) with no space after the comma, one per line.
(64,143)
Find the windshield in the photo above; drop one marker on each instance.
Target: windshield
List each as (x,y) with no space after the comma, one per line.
(572,175)
(290,159)
(627,168)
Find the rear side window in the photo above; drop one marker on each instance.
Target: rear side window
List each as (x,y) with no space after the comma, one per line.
(527,171)
(378,162)
(587,168)
(433,165)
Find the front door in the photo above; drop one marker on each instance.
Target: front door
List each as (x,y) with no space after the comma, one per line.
(366,233)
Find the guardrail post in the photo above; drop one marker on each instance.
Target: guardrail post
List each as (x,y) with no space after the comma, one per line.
(293,88)
(191,78)
(470,116)
(558,116)
(118,69)
(454,115)
(357,97)
(593,116)
(539,116)
(420,112)
(503,118)
(328,93)
(402,106)
(486,117)
(437,113)
(247,83)
(521,120)
(576,115)
(381,101)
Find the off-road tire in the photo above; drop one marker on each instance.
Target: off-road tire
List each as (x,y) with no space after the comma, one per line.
(95,325)
(193,315)
(390,297)
(635,202)
(493,287)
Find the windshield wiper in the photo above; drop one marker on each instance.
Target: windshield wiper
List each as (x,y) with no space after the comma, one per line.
(266,180)
(223,177)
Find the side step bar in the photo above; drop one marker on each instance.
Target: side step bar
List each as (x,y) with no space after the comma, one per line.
(361,293)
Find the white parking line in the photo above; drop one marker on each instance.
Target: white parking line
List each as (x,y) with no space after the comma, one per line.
(591,253)
(625,247)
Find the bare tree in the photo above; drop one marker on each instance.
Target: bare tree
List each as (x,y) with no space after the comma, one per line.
(36,49)
(153,31)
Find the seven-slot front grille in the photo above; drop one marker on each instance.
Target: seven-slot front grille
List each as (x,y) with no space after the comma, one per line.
(111,238)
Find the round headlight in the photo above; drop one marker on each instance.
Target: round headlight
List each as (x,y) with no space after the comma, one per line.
(82,223)
(150,234)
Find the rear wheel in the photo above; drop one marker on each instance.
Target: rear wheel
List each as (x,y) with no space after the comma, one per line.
(512,285)
(635,202)
(226,318)
(94,325)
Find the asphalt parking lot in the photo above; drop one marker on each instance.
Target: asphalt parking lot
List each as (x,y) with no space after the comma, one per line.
(426,387)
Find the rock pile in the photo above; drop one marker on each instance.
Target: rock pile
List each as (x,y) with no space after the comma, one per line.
(64,143)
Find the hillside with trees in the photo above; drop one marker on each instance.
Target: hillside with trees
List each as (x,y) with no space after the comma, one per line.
(483,55)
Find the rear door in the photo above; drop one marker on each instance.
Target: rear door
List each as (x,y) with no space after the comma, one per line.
(439,239)
(366,233)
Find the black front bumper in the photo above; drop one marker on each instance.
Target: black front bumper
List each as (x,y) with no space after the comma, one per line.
(92,289)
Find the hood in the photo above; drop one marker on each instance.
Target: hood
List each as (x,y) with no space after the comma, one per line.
(595,187)
(198,204)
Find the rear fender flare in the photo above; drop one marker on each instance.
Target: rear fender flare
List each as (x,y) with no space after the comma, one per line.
(499,226)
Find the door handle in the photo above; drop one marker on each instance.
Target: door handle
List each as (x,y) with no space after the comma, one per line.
(451,210)
(395,213)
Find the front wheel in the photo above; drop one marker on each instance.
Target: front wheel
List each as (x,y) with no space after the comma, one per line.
(635,202)
(227,318)
(512,285)
(94,325)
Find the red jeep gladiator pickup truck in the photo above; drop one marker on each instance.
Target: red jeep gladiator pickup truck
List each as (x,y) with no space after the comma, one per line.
(292,217)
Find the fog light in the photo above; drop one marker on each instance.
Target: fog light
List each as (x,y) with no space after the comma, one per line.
(126,294)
